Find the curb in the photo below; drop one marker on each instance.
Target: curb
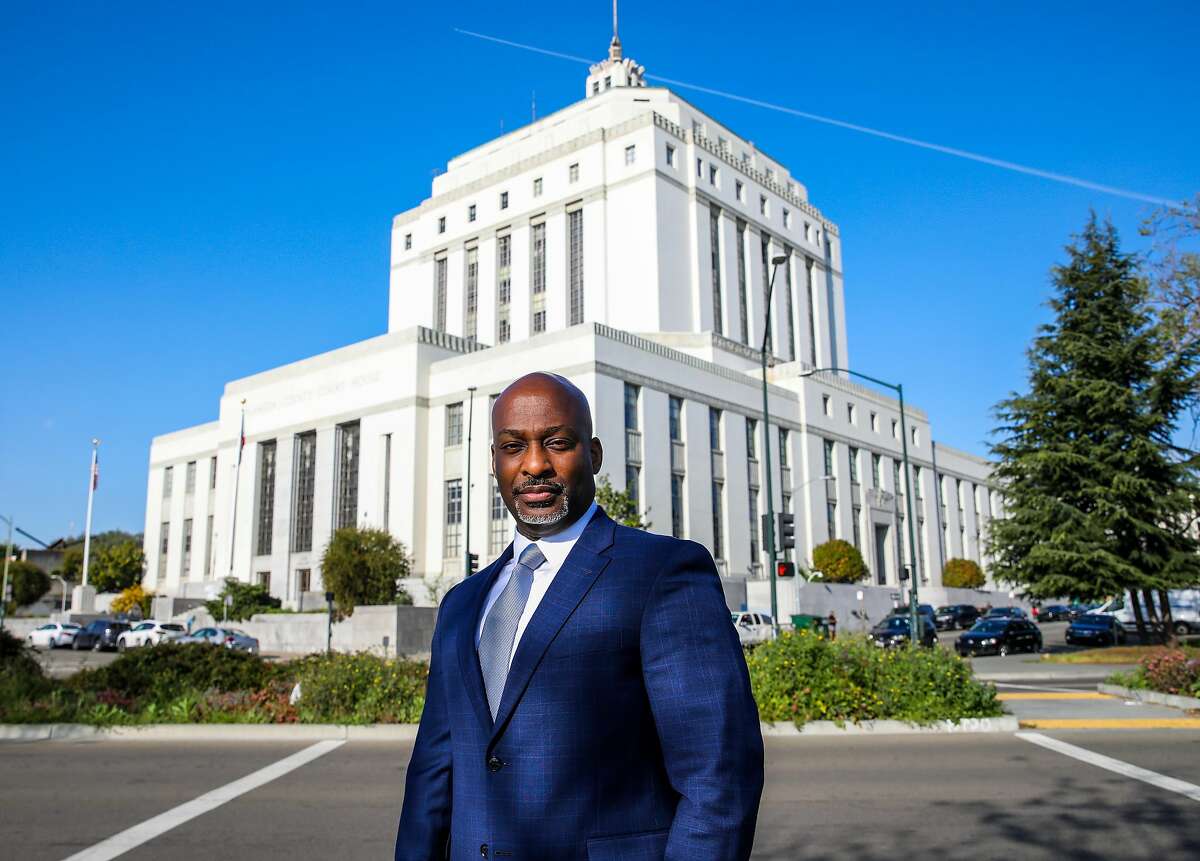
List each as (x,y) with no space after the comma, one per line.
(1043,676)
(208,732)
(408,731)
(1143,696)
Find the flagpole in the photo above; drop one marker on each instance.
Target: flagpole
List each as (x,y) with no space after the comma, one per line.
(237,475)
(93,480)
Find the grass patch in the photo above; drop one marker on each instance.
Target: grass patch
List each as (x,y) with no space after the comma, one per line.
(1112,655)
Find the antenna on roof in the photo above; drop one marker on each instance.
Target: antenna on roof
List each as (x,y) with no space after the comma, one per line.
(614,49)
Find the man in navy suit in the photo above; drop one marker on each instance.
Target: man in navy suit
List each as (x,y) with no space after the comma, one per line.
(587,695)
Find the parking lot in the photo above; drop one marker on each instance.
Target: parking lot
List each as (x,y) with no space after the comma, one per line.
(867,797)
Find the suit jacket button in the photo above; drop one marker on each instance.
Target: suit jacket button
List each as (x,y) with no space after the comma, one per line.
(483,851)
(494,764)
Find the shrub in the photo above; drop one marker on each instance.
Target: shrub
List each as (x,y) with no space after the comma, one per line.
(620,505)
(133,598)
(1172,671)
(162,673)
(803,677)
(364,566)
(116,567)
(23,685)
(962,574)
(360,688)
(248,599)
(28,582)
(839,562)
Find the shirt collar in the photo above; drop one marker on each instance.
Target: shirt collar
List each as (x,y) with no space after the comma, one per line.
(555,547)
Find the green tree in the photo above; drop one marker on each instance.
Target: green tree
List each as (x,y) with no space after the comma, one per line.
(839,562)
(962,574)
(116,566)
(364,566)
(28,582)
(619,504)
(72,564)
(248,599)
(1097,499)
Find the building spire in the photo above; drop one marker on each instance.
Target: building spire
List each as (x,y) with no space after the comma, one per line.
(614,48)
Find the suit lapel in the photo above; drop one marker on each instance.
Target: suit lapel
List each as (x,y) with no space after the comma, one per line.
(468,658)
(582,566)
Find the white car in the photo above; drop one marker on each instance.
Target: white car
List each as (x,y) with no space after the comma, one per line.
(52,635)
(149,633)
(753,628)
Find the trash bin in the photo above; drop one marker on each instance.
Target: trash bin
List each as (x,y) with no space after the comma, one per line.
(809,622)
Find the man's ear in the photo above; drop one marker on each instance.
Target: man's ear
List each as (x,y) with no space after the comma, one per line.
(597,455)
(492,460)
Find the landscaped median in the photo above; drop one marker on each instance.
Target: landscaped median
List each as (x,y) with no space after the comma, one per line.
(803,683)
(1163,676)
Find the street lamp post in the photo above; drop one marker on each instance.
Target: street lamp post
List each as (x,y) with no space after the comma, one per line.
(467,490)
(898,388)
(769,537)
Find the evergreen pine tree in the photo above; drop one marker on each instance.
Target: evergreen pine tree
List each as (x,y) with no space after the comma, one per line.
(1097,499)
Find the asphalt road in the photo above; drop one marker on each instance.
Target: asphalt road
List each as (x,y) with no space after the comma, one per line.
(866,797)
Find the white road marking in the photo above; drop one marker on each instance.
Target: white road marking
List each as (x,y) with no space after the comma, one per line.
(1125,769)
(1047,688)
(133,837)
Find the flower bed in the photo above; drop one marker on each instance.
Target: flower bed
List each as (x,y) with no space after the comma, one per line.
(1168,671)
(803,677)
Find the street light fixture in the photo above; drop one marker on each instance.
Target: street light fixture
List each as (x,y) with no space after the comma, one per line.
(769,538)
(898,388)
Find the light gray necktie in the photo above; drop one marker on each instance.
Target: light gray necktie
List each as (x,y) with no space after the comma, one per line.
(500,627)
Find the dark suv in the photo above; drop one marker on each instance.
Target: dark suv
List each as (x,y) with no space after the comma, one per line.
(956,616)
(99,634)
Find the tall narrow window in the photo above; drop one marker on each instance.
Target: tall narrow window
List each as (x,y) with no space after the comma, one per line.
(503,286)
(452,546)
(743,309)
(346,488)
(454,424)
(677,505)
(831,519)
(504,200)
(675,418)
(539,322)
(185,563)
(439,294)
(875,471)
(168,481)
(164,534)
(714,428)
(784,460)
(811,286)
(208,548)
(714,234)
(853,465)
(828,456)
(766,274)
(856,525)
(304,484)
(573,173)
(633,479)
(537,269)
(575,230)
(189,484)
(212,473)
(718,519)
(788,304)
(754,527)
(266,497)
(631,406)
(752,439)
(387,479)
(499,528)
(472,275)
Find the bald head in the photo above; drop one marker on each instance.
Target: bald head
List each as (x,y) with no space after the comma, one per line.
(543,453)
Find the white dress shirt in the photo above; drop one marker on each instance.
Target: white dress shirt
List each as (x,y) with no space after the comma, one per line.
(555,548)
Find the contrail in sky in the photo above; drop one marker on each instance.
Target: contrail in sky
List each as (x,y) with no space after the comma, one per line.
(945,150)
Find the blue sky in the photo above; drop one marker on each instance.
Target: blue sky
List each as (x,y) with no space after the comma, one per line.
(193,193)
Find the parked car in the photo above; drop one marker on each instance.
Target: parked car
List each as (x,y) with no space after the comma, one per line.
(1184,605)
(99,634)
(896,631)
(1055,613)
(999,635)
(149,633)
(52,635)
(1005,613)
(753,628)
(956,616)
(230,638)
(1095,630)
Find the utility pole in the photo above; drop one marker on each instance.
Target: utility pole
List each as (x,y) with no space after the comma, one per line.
(769,536)
(93,480)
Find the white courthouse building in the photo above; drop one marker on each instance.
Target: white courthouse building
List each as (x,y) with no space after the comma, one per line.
(625,242)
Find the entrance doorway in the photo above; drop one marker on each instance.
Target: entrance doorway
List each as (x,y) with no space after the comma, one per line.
(881,555)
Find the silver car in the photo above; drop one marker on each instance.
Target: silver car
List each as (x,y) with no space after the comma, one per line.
(230,638)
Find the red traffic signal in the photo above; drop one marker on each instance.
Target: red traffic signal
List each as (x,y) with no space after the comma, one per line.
(785,569)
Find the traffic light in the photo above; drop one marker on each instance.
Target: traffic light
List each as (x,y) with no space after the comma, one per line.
(472,563)
(787,531)
(785,569)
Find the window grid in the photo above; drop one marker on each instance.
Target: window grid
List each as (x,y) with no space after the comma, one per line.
(499,528)
(452,546)
(754,526)
(751,439)
(630,154)
(790,305)
(168,481)
(766,284)
(741,268)
(714,233)
(266,497)
(718,518)
(573,173)
(454,424)
(346,492)
(714,428)
(783,448)
(538,258)
(677,505)
(831,519)
(212,473)
(164,536)
(575,229)
(812,314)
(189,482)
(674,417)
(208,548)
(185,562)
(828,456)
(305,487)
(469,329)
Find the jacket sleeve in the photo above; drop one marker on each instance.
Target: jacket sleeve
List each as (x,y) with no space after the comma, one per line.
(424,830)
(707,721)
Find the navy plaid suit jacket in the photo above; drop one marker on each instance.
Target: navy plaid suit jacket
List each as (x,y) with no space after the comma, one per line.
(627,729)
